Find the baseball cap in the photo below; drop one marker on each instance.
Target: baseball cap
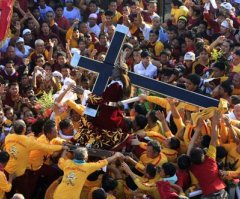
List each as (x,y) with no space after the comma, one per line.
(26,31)
(183,18)
(226,5)
(189,56)
(20,39)
(93,15)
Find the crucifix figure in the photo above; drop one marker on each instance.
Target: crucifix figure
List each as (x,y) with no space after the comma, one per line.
(104,70)
(110,129)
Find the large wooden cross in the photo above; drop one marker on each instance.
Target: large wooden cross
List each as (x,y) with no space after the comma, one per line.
(104,70)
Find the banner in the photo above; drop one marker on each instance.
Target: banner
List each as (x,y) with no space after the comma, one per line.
(6,7)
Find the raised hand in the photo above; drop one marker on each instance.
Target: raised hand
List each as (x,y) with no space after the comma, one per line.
(160,115)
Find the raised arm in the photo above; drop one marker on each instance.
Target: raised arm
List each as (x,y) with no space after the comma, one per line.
(214,130)
(195,136)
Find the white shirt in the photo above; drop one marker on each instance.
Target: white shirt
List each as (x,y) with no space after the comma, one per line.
(95,29)
(149,71)
(26,52)
(73,14)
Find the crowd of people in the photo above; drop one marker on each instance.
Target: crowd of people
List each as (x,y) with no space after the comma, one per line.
(153,148)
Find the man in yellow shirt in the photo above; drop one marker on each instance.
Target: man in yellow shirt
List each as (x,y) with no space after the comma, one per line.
(19,146)
(152,155)
(38,166)
(5,185)
(154,46)
(76,171)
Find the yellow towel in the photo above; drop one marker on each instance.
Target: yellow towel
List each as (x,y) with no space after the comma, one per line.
(208,112)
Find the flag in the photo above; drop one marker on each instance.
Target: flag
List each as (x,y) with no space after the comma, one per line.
(6,8)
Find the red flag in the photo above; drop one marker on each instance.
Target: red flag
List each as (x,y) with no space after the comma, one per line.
(6,7)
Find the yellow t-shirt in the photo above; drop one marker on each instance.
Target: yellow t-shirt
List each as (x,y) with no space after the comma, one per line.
(171,154)
(178,12)
(149,187)
(19,148)
(74,177)
(116,17)
(157,128)
(73,42)
(144,160)
(36,157)
(233,158)
(5,186)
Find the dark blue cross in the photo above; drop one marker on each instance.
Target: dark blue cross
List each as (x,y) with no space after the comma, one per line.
(104,69)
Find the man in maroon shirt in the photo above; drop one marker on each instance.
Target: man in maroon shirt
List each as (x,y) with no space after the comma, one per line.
(10,55)
(8,72)
(62,22)
(12,97)
(204,167)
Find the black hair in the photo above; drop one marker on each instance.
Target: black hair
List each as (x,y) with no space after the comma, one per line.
(37,127)
(166,52)
(205,142)
(174,143)
(151,170)
(155,145)
(140,109)
(13,84)
(93,2)
(19,126)
(58,6)
(141,121)
(227,87)
(103,34)
(235,99)
(184,162)
(64,124)
(194,78)
(221,152)
(189,35)
(177,3)
(48,126)
(61,53)
(4,157)
(109,13)
(99,194)
(156,32)
(108,183)
(152,116)
(197,155)
(169,169)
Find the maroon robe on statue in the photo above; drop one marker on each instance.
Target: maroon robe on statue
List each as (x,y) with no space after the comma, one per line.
(109,117)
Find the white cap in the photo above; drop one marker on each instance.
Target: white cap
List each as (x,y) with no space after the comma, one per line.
(226,5)
(225,24)
(26,31)
(189,56)
(93,15)
(20,39)
(57,74)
